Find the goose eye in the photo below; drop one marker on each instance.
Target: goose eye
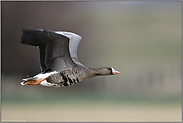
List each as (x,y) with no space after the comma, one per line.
(109,68)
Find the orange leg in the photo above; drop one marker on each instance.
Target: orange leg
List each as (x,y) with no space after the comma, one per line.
(34,82)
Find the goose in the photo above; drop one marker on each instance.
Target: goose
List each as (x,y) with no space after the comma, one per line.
(60,66)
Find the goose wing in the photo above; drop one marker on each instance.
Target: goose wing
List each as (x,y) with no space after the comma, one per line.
(53,47)
(73,44)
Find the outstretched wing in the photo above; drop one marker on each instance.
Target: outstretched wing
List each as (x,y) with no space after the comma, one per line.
(53,47)
(73,44)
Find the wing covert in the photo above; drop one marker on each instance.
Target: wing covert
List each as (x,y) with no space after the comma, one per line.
(73,44)
(54,48)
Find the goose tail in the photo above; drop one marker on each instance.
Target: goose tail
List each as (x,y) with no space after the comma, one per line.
(23,82)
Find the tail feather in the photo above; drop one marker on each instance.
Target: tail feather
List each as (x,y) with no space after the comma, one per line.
(27,80)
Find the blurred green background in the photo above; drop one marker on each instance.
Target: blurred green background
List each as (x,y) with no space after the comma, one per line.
(142,40)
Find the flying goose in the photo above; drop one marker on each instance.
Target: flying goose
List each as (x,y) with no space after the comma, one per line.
(58,58)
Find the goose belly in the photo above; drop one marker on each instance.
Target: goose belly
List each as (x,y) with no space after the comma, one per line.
(61,80)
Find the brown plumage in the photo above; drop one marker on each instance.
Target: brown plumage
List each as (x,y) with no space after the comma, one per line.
(58,58)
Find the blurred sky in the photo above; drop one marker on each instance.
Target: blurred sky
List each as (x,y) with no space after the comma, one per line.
(142,40)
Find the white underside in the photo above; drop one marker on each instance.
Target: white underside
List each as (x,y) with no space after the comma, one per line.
(45,83)
(40,76)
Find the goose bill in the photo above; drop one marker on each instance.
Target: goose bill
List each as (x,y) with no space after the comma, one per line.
(114,71)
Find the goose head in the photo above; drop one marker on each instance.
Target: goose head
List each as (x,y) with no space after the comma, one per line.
(104,71)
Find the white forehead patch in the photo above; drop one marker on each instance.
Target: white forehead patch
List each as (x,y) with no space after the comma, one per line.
(112,70)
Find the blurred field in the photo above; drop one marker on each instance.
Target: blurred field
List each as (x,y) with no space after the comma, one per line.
(88,107)
(91,112)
